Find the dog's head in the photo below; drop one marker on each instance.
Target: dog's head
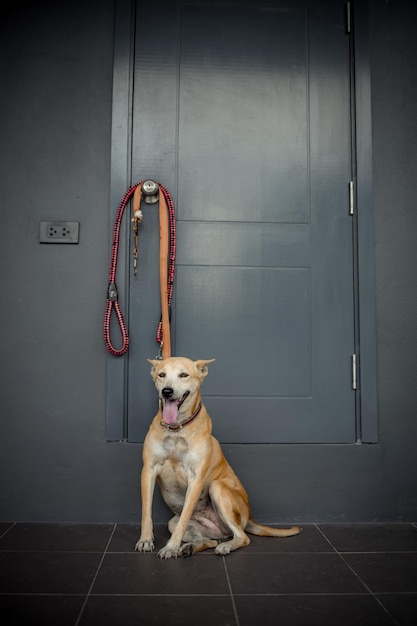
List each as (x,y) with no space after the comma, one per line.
(178,381)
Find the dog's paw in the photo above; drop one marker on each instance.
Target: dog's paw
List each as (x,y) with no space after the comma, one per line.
(144,545)
(187,549)
(169,552)
(222,549)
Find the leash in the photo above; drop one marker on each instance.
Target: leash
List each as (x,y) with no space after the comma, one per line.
(150,192)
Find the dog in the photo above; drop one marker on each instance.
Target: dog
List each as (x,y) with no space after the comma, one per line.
(210,505)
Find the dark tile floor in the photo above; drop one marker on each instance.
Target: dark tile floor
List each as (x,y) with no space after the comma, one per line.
(89,574)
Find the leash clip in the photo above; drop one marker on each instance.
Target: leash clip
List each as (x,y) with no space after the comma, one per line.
(159,355)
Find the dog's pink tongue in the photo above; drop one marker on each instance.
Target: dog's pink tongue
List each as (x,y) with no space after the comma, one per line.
(170,411)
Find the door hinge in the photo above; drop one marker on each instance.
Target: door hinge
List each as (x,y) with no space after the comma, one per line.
(348,18)
(351,197)
(354,373)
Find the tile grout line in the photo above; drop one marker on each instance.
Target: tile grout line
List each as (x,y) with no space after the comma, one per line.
(369,590)
(231,592)
(13,524)
(95,577)
(357,575)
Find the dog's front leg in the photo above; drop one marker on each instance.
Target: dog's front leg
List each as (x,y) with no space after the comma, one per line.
(172,548)
(148,478)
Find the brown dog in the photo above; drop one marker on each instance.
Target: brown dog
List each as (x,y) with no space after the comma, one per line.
(210,504)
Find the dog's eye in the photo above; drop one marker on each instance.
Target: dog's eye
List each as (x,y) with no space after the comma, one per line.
(183,375)
(161,374)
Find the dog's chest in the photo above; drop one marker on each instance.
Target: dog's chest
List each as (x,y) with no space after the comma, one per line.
(175,447)
(177,462)
(173,454)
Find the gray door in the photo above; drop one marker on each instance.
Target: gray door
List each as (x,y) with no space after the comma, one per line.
(243,111)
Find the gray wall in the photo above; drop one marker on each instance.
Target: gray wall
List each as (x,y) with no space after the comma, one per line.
(55,163)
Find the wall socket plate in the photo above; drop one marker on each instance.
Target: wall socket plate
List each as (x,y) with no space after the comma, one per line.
(59,232)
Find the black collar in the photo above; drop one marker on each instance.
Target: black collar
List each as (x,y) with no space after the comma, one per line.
(181,425)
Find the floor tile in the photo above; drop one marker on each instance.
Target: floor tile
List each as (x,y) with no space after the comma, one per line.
(402,606)
(157,610)
(125,537)
(391,572)
(4,527)
(138,573)
(40,610)
(310,539)
(371,537)
(322,610)
(290,573)
(59,537)
(47,572)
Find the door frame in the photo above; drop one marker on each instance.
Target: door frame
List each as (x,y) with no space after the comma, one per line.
(363,216)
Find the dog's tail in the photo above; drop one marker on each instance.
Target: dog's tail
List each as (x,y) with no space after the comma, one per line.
(267,531)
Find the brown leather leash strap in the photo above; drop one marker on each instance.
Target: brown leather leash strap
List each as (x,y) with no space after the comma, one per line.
(167,253)
(165,342)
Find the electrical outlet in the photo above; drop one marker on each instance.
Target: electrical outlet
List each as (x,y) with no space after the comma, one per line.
(59,232)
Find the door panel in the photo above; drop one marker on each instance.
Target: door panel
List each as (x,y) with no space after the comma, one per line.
(243,112)
(250,372)
(243,115)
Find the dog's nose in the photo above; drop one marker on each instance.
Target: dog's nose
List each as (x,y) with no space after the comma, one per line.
(167,392)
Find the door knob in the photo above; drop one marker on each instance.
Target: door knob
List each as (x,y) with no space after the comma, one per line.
(150,191)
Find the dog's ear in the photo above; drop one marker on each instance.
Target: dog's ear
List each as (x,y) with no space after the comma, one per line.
(154,363)
(202,366)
